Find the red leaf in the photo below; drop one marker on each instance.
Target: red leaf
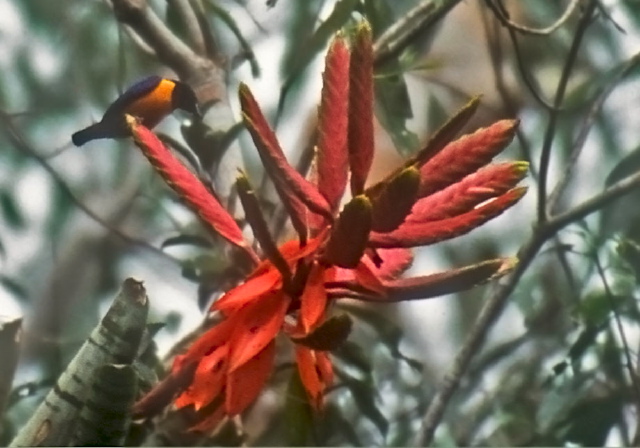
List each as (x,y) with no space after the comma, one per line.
(275,162)
(486,183)
(249,291)
(361,108)
(332,124)
(207,382)
(211,340)
(313,299)
(350,233)
(465,155)
(325,367)
(187,186)
(311,380)
(210,421)
(394,262)
(245,383)
(256,326)
(412,234)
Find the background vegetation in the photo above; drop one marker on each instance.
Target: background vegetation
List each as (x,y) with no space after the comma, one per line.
(547,356)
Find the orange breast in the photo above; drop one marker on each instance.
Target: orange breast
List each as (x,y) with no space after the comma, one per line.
(155,105)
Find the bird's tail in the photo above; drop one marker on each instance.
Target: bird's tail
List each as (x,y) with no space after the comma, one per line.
(92,132)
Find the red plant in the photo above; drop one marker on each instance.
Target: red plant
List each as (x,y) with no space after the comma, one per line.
(445,190)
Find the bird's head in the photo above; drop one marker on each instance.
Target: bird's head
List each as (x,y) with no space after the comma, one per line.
(183,97)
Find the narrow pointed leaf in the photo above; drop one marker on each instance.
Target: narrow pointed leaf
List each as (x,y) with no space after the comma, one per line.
(115,340)
(447,282)
(412,234)
(259,226)
(488,182)
(437,142)
(244,294)
(394,262)
(256,327)
(465,155)
(156,400)
(210,421)
(313,301)
(329,335)
(313,383)
(394,200)
(350,233)
(187,186)
(332,124)
(208,380)
(245,383)
(274,160)
(361,108)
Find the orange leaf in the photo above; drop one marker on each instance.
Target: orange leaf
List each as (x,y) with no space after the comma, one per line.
(332,124)
(325,367)
(244,294)
(211,340)
(187,186)
(256,326)
(208,380)
(245,383)
(313,299)
(305,358)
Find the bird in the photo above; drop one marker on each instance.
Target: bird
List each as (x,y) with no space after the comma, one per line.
(150,100)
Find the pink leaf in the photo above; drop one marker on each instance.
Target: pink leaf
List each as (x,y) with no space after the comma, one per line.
(274,161)
(187,186)
(361,108)
(332,124)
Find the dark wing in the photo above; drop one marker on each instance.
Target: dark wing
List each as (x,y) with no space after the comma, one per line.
(138,90)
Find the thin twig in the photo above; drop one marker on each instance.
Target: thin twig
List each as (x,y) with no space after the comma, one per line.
(623,337)
(588,123)
(16,137)
(495,304)
(495,50)
(404,30)
(186,14)
(503,17)
(549,136)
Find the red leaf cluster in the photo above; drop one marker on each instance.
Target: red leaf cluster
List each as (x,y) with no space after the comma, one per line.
(447,189)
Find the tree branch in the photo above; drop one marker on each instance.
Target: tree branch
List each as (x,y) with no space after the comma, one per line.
(404,30)
(503,17)
(495,304)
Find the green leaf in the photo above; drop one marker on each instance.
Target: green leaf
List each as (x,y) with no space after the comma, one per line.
(328,336)
(297,412)
(314,45)
(11,210)
(393,109)
(15,287)
(193,240)
(629,165)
